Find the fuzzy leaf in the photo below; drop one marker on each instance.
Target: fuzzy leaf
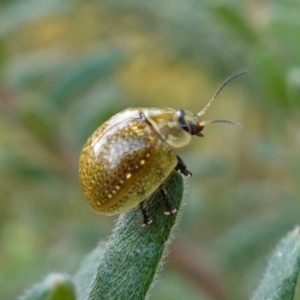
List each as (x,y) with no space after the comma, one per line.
(133,254)
(54,287)
(280,279)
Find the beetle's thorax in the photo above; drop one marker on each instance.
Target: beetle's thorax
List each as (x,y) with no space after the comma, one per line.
(165,122)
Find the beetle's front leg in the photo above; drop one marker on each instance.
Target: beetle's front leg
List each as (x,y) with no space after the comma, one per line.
(147,221)
(182,167)
(170,209)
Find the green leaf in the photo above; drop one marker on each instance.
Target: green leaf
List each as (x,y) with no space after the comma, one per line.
(280,279)
(293,87)
(236,21)
(272,78)
(85,276)
(2,52)
(54,287)
(75,81)
(126,268)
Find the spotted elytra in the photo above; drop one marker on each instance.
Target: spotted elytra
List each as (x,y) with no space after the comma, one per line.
(131,155)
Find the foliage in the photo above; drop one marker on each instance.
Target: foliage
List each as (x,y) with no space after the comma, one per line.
(281,277)
(125,268)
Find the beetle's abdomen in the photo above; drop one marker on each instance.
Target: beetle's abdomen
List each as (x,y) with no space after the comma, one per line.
(122,165)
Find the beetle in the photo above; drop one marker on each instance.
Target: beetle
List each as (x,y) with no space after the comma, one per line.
(131,155)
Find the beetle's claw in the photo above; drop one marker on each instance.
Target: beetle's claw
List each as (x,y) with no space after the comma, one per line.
(170,211)
(147,222)
(187,173)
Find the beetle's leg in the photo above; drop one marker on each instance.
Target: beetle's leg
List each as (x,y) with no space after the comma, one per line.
(170,209)
(147,221)
(182,167)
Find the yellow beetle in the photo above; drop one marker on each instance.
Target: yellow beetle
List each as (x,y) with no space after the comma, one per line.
(131,155)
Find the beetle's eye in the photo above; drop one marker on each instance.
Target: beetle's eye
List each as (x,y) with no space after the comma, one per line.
(192,128)
(186,122)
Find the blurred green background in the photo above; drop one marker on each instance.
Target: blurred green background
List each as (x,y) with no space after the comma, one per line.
(66,66)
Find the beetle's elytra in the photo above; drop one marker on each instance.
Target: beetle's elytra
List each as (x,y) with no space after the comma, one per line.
(131,155)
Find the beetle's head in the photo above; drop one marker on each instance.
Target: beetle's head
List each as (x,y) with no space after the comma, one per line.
(176,128)
(191,122)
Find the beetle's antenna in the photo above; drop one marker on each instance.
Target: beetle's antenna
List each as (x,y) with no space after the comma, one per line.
(232,76)
(204,123)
